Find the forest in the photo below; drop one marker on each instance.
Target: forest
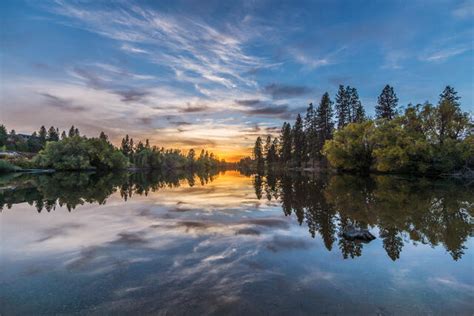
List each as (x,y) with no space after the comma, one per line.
(50,149)
(423,139)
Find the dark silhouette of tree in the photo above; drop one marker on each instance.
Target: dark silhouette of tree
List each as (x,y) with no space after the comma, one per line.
(42,134)
(311,132)
(286,143)
(258,155)
(103,137)
(325,125)
(125,146)
(53,135)
(63,135)
(386,107)
(343,106)
(357,112)
(299,142)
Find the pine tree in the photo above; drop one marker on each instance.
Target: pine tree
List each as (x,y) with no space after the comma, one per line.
(42,134)
(286,146)
(266,148)
(299,142)
(449,117)
(103,137)
(258,154)
(52,135)
(63,135)
(3,135)
(324,121)
(343,106)
(357,112)
(311,132)
(125,146)
(72,132)
(387,104)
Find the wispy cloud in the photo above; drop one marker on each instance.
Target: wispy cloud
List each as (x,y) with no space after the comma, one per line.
(444,54)
(284,91)
(464,10)
(191,48)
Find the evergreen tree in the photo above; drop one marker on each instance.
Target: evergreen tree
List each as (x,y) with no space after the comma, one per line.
(324,122)
(72,132)
(258,154)
(299,142)
(63,135)
(450,121)
(266,148)
(103,137)
(357,112)
(343,106)
(125,146)
(3,135)
(272,156)
(191,156)
(387,104)
(311,132)
(286,143)
(76,131)
(53,135)
(42,134)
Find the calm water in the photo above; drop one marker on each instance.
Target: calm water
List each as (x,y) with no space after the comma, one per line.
(234,244)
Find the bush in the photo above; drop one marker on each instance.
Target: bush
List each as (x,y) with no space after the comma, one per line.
(77,153)
(6,166)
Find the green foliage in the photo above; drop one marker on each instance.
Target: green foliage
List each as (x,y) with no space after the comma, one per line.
(77,153)
(352,147)
(424,140)
(6,166)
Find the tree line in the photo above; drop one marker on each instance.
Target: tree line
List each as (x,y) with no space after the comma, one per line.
(422,138)
(71,151)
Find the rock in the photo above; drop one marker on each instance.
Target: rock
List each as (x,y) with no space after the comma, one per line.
(352,233)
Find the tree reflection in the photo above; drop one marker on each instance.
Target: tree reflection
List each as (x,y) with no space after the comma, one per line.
(47,191)
(420,210)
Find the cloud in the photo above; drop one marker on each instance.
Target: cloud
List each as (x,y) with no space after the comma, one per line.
(283,91)
(444,54)
(132,95)
(269,110)
(61,103)
(195,108)
(464,10)
(248,102)
(195,51)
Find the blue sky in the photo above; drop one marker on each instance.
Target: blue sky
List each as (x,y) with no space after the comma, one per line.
(215,74)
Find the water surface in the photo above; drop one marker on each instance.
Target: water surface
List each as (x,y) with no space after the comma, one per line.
(233,244)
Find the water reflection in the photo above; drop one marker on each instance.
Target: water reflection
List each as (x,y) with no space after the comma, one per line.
(70,189)
(402,210)
(232,244)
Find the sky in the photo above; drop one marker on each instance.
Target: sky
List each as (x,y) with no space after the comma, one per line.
(215,74)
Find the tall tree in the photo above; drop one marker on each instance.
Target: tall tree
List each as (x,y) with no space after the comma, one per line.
(311,132)
(450,122)
(42,134)
(357,112)
(299,143)
(387,104)
(343,106)
(3,135)
(266,148)
(103,137)
(72,132)
(53,135)
(258,154)
(125,146)
(63,135)
(324,121)
(286,143)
